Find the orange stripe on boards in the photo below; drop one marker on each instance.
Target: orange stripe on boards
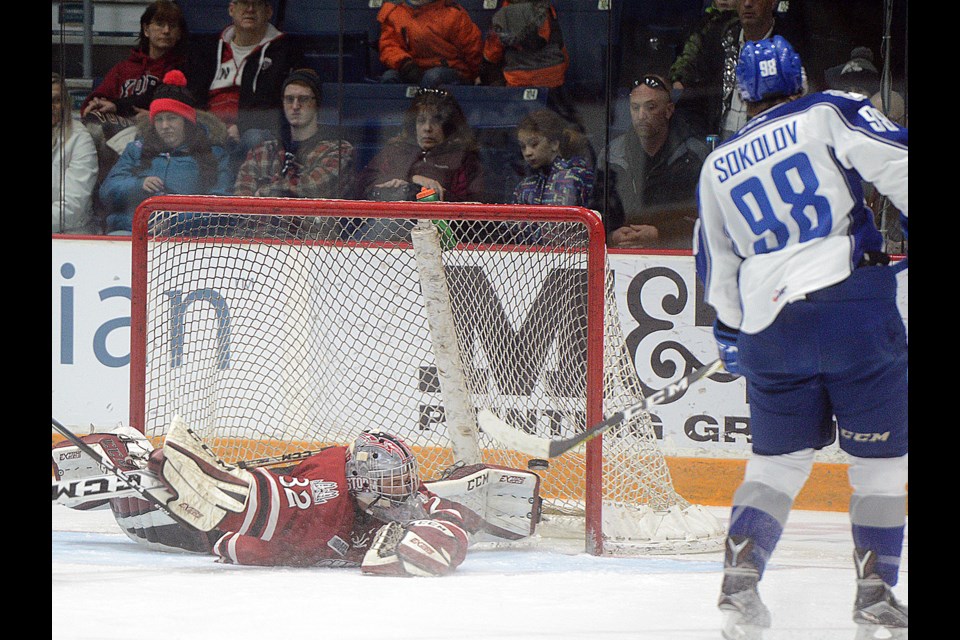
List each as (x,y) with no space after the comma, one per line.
(712,482)
(704,481)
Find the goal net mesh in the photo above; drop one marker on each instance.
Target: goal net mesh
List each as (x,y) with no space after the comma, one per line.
(272,333)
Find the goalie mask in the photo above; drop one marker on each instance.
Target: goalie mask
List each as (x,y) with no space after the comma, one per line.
(381,470)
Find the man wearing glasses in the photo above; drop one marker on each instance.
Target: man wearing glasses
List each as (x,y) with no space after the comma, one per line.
(302,163)
(648,176)
(239,76)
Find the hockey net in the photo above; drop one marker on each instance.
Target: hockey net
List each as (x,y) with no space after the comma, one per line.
(270,329)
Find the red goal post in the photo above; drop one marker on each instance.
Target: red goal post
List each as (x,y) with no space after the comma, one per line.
(274,325)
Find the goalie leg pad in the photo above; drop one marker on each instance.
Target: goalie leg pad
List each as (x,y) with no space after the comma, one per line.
(206,489)
(146,524)
(505,501)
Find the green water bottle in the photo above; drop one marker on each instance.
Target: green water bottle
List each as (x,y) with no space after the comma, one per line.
(447,239)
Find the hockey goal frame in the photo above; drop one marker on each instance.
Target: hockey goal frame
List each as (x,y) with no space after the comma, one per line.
(595,542)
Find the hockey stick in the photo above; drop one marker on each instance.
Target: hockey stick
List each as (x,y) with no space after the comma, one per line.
(296,456)
(518,440)
(107,464)
(79,491)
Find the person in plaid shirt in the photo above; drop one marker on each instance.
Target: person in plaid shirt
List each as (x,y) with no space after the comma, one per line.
(302,163)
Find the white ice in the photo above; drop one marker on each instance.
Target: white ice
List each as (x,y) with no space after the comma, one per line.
(106,587)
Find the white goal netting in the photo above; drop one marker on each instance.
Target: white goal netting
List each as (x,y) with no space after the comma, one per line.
(270,329)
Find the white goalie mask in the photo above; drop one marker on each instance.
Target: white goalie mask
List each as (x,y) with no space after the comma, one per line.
(382,469)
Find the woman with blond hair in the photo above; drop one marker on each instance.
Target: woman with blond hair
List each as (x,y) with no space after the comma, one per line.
(75,167)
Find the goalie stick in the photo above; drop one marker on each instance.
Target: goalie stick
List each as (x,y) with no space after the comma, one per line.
(108,465)
(81,490)
(518,440)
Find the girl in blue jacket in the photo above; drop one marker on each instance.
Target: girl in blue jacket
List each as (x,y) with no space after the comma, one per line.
(174,154)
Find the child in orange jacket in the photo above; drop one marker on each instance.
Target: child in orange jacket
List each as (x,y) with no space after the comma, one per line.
(428,42)
(524,47)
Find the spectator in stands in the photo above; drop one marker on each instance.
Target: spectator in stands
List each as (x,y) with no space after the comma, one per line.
(524,47)
(303,163)
(435,148)
(429,43)
(650,173)
(557,156)
(179,151)
(128,87)
(74,167)
(860,75)
(238,77)
(559,171)
(709,98)
(704,35)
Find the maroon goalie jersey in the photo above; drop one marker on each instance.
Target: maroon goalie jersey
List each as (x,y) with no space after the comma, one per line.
(306,517)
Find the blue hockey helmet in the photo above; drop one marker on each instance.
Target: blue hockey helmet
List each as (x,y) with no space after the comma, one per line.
(768,69)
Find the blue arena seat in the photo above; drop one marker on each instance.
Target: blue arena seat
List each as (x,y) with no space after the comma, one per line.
(209,16)
(371,104)
(590,28)
(323,52)
(325,16)
(352,105)
(498,107)
(481,12)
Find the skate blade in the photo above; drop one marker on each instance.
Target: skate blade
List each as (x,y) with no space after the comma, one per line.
(879,632)
(734,629)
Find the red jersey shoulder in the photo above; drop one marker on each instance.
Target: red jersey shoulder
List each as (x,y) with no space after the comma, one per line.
(329,463)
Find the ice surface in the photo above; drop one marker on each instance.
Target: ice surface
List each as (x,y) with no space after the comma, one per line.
(106,587)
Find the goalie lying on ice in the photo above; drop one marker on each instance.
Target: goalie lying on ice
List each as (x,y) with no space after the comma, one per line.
(358,505)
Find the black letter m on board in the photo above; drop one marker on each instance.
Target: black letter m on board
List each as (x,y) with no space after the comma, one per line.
(518,357)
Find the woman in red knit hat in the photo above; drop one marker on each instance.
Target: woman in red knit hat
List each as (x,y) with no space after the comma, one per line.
(178,150)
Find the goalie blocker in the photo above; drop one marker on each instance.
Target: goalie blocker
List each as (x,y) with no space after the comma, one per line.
(480,503)
(82,485)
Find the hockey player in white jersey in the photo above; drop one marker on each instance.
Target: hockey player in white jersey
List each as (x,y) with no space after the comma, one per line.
(792,262)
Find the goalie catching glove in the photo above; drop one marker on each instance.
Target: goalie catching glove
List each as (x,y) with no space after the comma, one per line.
(418,548)
(205,488)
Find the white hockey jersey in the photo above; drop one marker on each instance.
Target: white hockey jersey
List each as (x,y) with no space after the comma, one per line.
(782,211)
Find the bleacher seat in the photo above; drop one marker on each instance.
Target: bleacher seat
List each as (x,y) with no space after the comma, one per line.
(590,28)
(481,12)
(364,104)
(209,16)
(356,19)
(369,104)
(322,52)
(324,16)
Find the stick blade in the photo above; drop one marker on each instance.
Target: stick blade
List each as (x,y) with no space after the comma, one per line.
(511,437)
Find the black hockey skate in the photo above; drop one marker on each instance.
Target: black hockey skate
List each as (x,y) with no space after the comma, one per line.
(876,611)
(745,615)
